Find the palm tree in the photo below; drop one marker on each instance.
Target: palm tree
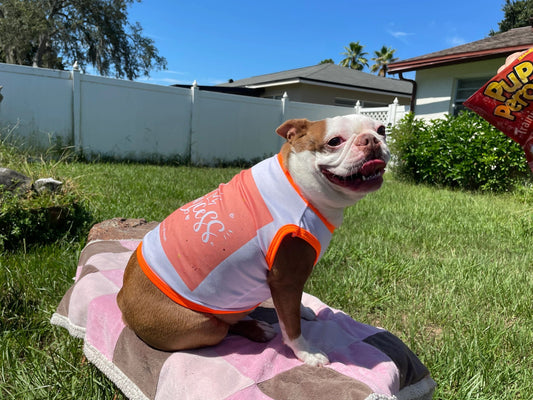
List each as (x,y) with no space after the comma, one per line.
(355,56)
(382,59)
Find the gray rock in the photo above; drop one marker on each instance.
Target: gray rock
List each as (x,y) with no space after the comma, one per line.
(13,180)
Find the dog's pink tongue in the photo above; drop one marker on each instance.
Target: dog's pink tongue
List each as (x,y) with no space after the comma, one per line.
(371,167)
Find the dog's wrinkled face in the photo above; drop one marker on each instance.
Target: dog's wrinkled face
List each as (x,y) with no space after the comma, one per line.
(338,160)
(355,153)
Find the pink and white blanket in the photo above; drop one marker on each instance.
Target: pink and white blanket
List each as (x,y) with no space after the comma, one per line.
(367,363)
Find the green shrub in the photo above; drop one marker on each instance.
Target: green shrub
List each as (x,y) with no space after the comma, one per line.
(29,218)
(460,152)
(40,218)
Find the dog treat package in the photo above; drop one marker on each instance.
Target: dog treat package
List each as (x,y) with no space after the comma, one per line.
(506,101)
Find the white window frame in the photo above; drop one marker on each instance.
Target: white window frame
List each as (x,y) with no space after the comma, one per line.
(345,102)
(464,88)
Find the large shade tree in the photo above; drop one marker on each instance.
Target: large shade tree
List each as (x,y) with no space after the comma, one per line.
(55,33)
(516,14)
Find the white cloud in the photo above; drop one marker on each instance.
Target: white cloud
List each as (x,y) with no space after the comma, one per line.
(170,81)
(455,41)
(399,34)
(214,81)
(161,81)
(166,71)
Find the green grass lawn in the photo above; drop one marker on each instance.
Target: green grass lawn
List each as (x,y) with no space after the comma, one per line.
(450,273)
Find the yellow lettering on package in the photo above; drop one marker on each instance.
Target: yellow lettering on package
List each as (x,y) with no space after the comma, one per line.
(495,91)
(527,91)
(504,112)
(524,71)
(514,103)
(514,80)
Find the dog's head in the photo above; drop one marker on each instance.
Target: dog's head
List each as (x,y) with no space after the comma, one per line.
(335,161)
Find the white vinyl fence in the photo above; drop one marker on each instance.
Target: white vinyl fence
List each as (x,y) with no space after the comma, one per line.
(130,120)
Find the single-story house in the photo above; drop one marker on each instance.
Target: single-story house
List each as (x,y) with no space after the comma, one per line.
(328,84)
(446,78)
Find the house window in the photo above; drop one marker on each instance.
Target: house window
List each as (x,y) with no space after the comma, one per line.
(342,102)
(464,89)
(278,96)
(370,104)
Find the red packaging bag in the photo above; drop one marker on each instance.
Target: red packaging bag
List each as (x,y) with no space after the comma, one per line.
(506,101)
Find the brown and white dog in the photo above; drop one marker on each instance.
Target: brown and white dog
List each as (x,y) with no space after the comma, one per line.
(331,164)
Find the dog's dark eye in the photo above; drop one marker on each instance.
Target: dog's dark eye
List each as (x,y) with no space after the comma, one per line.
(381,130)
(336,141)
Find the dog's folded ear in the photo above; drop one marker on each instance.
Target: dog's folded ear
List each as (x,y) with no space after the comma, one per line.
(293,128)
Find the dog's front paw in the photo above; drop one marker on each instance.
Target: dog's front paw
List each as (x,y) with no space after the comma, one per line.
(314,358)
(307,353)
(307,313)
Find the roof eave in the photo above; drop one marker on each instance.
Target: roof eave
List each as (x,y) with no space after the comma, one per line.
(414,65)
(273,83)
(328,84)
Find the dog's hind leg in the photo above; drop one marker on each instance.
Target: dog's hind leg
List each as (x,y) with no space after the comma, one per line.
(167,326)
(183,329)
(255,330)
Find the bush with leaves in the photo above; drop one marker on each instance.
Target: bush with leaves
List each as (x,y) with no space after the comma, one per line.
(32,218)
(29,218)
(460,152)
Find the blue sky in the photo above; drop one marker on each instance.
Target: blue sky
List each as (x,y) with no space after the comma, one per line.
(211,41)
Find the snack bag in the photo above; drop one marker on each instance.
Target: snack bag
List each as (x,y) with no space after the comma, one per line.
(506,101)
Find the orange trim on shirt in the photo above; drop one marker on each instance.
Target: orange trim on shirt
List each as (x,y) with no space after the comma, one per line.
(328,224)
(173,295)
(294,231)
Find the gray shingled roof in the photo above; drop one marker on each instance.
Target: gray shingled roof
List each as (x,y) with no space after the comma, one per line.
(328,74)
(501,44)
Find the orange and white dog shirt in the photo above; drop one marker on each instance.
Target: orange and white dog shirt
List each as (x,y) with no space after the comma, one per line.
(213,254)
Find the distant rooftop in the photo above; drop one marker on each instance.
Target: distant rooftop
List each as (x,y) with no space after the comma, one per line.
(499,45)
(327,75)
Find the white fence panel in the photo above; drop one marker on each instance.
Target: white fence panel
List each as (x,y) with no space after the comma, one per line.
(380,114)
(389,116)
(37,101)
(134,120)
(230,127)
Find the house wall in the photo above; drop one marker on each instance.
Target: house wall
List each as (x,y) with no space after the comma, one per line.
(436,86)
(320,94)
